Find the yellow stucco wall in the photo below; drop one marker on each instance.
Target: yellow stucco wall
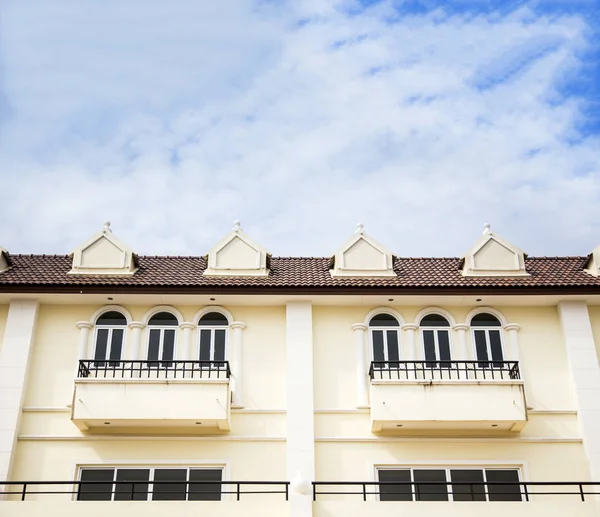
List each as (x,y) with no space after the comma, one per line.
(255,447)
(3,316)
(594,311)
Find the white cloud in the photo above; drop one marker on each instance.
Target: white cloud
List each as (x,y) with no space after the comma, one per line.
(300,119)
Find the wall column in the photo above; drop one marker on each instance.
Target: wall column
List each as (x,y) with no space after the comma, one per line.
(585,375)
(84,339)
(362,370)
(186,352)
(410,346)
(15,357)
(300,444)
(135,350)
(462,352)
(237,334)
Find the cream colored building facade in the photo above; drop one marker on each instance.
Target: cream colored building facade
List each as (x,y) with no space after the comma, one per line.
(357,384)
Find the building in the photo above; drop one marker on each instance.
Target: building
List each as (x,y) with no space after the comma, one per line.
(239,383)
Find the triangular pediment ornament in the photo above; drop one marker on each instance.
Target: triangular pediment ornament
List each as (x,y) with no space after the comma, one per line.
(592,265)
(4,259)
(362,255)
(493,256)
(103,254)
(237,255)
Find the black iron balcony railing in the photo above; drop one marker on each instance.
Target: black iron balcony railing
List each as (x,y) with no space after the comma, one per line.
(447,491)
(91,368)
(130,491)
(442,370)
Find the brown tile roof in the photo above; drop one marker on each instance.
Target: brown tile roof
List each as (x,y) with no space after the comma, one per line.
(177,274)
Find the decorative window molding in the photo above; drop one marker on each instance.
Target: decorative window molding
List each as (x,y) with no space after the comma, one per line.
(4,259)
(493,256)
(435,310)
(237,255)
(362,255)
(163,308)
(111,308)
(213,308)
(103,254)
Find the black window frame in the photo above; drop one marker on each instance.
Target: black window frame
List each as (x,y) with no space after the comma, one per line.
(436,492)
(149,490)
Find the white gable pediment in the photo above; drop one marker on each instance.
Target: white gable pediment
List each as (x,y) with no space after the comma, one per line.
(237,255)
(362,255)
(493,256)
(593,264)
(103,254)
(4,259)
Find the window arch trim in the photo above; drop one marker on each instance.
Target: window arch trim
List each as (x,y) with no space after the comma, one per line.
(163,308)
(384,310)
(110,308)
(481,310)
(435,310)
(213,308)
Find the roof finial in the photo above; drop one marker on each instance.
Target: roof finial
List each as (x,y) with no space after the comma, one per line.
(106,228)
(237,226)
(360,228)
(486,228)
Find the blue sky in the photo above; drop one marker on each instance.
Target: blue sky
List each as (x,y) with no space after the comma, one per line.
(422,119)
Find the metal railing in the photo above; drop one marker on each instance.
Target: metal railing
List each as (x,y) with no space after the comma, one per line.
(444,370)
(482,491)
(128,490)
(91,368)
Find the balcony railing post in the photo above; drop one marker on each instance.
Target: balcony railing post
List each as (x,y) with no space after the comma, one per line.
(24,492)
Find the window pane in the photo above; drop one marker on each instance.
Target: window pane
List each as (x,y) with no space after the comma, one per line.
(111,318)
(205,345)
(96,491)
(481,345)
(462,491)
(101,345)
(429,346)
(153,344)
(383,320)
(444,345)
(163,319)
(392,343)
(496,345)
(124,492)
(425,492)
(220,345)
(377,336)
(213,319)
(205,492)
(485,320)
(434,320)
(168,344)
(502,492)
(116,344)
(170,491)
(401,492)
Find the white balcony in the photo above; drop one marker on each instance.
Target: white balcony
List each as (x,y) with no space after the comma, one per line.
(457,396)
(136,394)
(50,508)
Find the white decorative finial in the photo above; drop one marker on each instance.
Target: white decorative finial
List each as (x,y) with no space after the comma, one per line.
(237,226)
(106,227)
(360,228)
(486,228)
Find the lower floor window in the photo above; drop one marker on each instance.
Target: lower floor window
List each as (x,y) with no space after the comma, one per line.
(150,484)
(449,484)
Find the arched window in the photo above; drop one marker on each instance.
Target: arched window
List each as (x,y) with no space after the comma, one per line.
(109,336)
(385,339)
(487,336)
(435,333)
(212,337)
(162,331)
